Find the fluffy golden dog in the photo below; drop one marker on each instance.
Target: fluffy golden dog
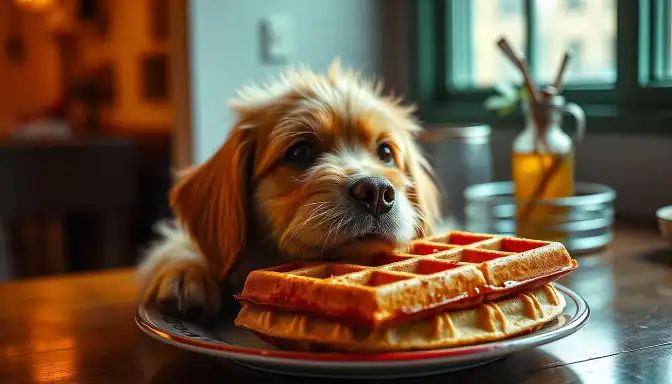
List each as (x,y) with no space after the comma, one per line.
(317,166)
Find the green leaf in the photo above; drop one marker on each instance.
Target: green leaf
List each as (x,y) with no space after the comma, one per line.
(506,89)
(496,102)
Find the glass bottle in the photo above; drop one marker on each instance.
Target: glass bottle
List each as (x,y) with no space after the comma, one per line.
(534,152)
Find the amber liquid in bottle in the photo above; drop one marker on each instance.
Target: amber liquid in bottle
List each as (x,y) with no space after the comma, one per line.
(530,163)
(537,152)
(528,171)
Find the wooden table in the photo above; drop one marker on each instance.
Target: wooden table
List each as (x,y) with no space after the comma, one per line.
(80,329)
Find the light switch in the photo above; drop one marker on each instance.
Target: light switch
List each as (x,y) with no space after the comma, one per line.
(277,38)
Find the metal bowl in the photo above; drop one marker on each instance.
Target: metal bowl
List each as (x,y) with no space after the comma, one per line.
(585,220)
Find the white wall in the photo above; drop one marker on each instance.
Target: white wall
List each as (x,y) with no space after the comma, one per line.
(226,53)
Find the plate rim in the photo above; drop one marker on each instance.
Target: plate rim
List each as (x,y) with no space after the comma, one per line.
(577,321)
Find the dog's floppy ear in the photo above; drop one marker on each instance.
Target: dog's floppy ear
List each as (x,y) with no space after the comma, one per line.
(211,201)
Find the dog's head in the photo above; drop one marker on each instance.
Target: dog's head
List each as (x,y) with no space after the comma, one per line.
(324,165)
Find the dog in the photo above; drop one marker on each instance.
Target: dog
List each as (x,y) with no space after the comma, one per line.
(317,166)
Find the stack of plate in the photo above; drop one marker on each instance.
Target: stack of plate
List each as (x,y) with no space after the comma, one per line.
(585,220)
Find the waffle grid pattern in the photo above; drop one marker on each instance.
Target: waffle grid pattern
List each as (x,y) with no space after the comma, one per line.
(451,271)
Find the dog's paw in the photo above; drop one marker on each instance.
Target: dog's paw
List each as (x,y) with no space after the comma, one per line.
(184,288)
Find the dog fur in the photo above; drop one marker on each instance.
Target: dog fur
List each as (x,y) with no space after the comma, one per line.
(254,203)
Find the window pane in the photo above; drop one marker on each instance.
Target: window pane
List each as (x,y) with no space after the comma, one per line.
(585,27)
(476,26)
(664,54)
(661,35)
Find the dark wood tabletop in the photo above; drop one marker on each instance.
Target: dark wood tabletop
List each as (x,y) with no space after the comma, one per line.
(80,329)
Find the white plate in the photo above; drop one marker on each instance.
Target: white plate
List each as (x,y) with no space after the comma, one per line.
(241,346)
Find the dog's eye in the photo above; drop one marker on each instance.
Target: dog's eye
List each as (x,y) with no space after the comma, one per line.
(385,154)
(300,153)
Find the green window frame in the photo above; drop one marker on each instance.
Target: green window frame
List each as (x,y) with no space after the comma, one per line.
(637,102)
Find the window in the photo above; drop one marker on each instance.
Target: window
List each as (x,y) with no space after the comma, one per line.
(479,65)
(574,5)
(622,52)
(576,48)
(663,70)
(511,7)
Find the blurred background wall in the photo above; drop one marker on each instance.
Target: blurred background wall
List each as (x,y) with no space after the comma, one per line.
(86,127)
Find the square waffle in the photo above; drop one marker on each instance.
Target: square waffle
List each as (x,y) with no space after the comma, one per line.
(452,271)
(516,314)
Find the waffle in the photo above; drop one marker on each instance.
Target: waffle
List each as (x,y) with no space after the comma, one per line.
(486,322)
(449,272)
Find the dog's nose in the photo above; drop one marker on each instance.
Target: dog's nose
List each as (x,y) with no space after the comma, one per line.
(375,194)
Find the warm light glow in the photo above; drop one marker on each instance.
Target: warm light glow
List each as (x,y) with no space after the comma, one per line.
(34,5)
(49,328)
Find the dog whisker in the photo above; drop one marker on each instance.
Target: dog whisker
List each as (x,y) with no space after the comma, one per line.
(314,213)
(267,238)
(329,218)
(295,232)
(334,230)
